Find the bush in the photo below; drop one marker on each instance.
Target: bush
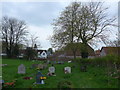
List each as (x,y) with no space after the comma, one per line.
(100,61)
(65,84)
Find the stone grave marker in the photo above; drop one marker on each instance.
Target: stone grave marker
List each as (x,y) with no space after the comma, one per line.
(54,62)
(21,69)
(67,70)
(45,66)
(52,69)
(62,62)
(40,66)
(34,66)
(69,61)
(59,62)
(38,78)
(48,61)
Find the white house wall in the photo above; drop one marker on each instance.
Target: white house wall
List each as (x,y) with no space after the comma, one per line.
(42,55)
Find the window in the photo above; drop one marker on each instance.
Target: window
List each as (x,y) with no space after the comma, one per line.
(43,53)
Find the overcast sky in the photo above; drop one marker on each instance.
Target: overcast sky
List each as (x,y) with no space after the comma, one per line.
(39,16)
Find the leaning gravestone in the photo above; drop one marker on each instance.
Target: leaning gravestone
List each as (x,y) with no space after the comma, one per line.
(38,78)
(67,69)
(21,69)
(52,69)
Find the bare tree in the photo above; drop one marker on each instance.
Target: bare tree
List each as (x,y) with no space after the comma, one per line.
(81,22)
(13,32)
(32,40)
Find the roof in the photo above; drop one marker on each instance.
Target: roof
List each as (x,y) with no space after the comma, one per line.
(111,50)
(23,51)
(69,52)
(41,51)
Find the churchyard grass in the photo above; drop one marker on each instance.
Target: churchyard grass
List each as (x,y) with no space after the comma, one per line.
(95,77)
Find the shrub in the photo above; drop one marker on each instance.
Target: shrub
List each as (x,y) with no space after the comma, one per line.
(100,61)
(65,84)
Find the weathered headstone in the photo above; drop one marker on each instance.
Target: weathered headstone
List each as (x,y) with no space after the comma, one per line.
(3,64)
(69,61)
(21,69)
(34,66)
(62,62)
(67,70)
(1,83)
(45,66)
(40,66)
(54,62)
(52,69)
(48,61)
(38,78)
(59,62)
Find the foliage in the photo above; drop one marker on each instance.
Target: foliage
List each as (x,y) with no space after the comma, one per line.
(100,61)
(30,53)
(95,77)
(50,50)
(81,22)
(13,33)
(74,48)
(65,84)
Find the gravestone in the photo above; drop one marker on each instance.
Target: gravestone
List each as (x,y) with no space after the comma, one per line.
(59,62)
(62,62)
(48,62)
(21,69)
(52,69)
(34,66)
(54,62)
(3,64)
(40,66)
(1,83)
(69,61)
(38,78)
(67,70)
(45,66)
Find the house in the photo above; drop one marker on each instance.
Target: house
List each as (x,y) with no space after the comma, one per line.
(58,56)
(69,52)
(109,51)
(97,53)
(42,54)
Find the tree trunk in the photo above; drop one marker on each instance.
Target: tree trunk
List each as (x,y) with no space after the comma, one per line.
(84,50)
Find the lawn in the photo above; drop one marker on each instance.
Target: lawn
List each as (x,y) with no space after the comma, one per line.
(95,77)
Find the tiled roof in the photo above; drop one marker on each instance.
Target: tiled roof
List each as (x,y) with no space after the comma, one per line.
(41,51)
(111,50)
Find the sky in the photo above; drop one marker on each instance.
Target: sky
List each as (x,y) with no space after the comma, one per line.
(39,16)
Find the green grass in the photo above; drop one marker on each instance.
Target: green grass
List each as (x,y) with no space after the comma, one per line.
(95,77)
